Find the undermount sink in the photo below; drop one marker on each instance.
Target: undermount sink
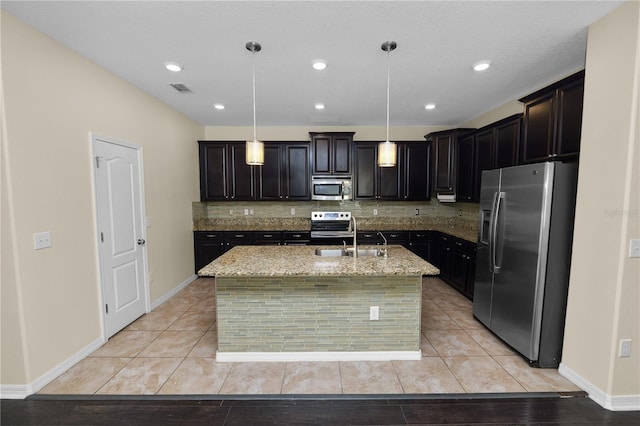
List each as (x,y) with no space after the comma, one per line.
(374,252)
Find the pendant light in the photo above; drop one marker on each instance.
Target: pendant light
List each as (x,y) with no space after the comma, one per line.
(255,148)
(387,152)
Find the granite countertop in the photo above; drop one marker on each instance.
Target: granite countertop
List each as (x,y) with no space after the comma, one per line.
(452,226)
(265,261)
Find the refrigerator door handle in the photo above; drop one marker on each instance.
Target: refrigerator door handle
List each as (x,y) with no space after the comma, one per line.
(492,221)
(494,232)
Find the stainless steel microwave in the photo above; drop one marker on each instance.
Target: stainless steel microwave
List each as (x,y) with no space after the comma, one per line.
(331,188)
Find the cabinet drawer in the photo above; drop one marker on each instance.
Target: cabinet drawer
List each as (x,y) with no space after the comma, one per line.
(369,238)
(396,236)
(296,237)
(421,235)
(238,237)
(267,237)
(209,236)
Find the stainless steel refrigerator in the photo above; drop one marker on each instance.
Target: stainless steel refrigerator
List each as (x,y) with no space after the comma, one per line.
(523,260)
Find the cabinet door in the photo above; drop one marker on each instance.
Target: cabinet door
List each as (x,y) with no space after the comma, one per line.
(471,272)
(321,154)
(506,144)
(241,178)
(416,171)
(296,175)
(341,154)
(569,118)
(483,159)
(269,181)
(466,174)
(458,273)
(538,129)
(445,258)
(389,180)
(422,245)
(208,246)
(444,162)
(365,186)
(213,171)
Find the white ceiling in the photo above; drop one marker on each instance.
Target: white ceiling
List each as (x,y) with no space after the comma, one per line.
(530,44)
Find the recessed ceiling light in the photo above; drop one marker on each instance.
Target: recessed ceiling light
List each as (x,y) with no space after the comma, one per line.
(218,106)
(319,64)
(482,65)
(430,106)
(173,66)
(319,106)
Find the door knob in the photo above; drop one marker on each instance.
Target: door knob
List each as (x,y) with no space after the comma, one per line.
(141,241)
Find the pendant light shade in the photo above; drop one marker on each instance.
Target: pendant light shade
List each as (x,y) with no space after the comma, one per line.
(255,148)
(387,151)
(387,154)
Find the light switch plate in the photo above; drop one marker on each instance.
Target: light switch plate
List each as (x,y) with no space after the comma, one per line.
(42,240)
(634,247)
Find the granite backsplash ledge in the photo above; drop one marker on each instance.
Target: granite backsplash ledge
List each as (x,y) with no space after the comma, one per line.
(459,219)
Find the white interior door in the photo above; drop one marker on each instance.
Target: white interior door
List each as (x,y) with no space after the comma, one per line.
(121,234)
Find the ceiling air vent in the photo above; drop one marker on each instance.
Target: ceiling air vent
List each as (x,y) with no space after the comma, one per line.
(180,87)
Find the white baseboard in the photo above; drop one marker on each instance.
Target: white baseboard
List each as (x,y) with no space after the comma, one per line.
(173,292)
(22,391)
(610,402)
(316,356)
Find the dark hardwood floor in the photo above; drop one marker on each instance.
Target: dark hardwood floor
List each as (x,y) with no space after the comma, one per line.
(461,409)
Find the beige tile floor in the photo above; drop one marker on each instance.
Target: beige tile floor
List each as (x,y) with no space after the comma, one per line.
(172,351)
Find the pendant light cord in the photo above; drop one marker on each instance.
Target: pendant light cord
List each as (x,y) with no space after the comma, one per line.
(388,82)
(255,138)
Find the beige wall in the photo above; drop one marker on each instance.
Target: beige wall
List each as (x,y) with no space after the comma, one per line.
(503,111)
(604,289)
(301,133)
(54,99)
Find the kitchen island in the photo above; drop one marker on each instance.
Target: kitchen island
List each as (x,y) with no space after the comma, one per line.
(285,303)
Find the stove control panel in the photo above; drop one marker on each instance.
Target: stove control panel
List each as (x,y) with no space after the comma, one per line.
(346,216)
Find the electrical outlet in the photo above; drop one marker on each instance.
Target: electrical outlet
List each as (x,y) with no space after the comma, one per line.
(625,348)
(246,212)
(417,212)
(42,240)
(374,313)
(251,212)
(375,212)
(293,211)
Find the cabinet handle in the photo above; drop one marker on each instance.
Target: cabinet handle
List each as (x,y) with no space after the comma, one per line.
(267,235)
(239,235)
(211,235)
(458,244)
(296,235)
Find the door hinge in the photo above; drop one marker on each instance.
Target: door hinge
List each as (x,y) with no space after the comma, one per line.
(106,308)
(102,237)
(98,162)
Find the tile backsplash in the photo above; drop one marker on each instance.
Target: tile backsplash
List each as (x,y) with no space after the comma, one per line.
(360,209)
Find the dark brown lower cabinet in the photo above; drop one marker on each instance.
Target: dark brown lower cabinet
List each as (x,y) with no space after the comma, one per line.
(207,247)
(456,260)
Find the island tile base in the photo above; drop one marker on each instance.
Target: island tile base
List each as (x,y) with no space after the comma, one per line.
(289,318)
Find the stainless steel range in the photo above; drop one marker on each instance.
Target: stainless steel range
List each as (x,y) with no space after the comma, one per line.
(330,227)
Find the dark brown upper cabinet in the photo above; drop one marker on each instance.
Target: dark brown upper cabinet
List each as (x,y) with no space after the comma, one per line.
(331,153)
(408,180)
(224,175)
(285,173)
(553,120)
(444,158)
(490,147)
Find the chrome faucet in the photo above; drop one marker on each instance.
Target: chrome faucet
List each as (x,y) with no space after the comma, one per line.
(354,231)
(384,249)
